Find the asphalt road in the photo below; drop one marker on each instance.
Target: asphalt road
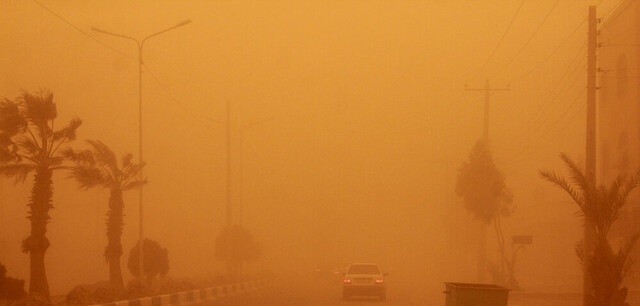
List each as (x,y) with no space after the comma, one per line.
(323,290)
(326,290)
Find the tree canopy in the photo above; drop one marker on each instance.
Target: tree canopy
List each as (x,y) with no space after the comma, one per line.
(31,142)
(155,260)
(236,243)
(482,186)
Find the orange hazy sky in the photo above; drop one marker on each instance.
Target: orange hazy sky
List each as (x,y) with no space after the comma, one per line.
(371,121)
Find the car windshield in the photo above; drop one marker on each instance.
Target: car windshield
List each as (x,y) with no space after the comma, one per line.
(363,269)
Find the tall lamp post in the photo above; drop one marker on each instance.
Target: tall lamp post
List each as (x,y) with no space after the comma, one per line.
(240,158)
(140,44)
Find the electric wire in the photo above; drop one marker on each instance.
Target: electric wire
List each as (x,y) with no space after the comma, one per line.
(526,152)
(503,36)
(544,20)
(548,135)
(208,120)
(556,89)
(153,75)
(616,8)
(81,31)
(539,120)
(547,58)
(620,34)
(177,102)
(555,106)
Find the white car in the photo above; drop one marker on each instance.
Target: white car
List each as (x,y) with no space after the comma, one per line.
(364,279)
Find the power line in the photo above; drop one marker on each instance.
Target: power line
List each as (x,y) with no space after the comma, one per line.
(541,115)
(503,36)
(543,62)
(557,89)
(546,59)
(614,8)
(577,76)
(203,119)
(555,123)
(530,37)
(154,77)
(517,158)
(81,31)
(547,136)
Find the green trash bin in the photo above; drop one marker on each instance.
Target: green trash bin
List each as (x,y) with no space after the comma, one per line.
(463,294)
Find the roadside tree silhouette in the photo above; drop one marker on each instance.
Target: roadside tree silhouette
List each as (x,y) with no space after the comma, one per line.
(155,261)
(236,246)
(99,167)
(485,195)
(600,205)
(29,143)
(11,289)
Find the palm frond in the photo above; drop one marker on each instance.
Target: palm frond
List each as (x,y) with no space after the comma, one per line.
(11,122)
(69,154)
(88,177)
(624,261)
(126,160)
(84,158)
(56,161)
(564,185)
(134,184)
(67,133)
(102,154)
(628,186)
(39,107)
(132,170)
(8,154)
(18,172)
(28,146)
(577,174)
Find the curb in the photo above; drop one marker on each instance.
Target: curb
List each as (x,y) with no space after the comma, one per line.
(194,296)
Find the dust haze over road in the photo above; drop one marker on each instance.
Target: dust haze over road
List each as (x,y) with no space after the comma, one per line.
(371,125)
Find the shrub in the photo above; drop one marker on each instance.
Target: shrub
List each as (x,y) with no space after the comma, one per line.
(10,288)
(156,260)
(98,293)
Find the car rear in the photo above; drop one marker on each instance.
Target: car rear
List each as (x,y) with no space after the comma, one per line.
(363,280)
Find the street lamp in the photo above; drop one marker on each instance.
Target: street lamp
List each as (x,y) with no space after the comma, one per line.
(140,44)
(240,158)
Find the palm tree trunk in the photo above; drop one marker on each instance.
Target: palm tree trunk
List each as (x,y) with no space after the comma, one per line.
(113,251)
(482,253)
(38,277)
(37,243)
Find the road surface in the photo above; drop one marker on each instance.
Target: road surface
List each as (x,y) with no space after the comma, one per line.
(327,291)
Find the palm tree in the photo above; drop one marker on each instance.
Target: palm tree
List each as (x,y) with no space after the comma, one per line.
(29,143)
(600,206)
(99,168)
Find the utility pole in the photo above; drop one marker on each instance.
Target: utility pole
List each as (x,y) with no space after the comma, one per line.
(231,241)
(241,180)
(485,136)
(228,163)
(589,228)
(487,96)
